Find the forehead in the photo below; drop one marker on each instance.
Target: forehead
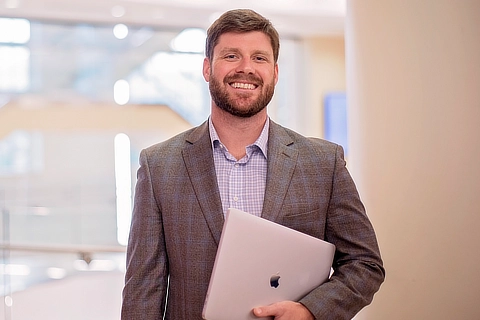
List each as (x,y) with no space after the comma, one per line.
(245,41)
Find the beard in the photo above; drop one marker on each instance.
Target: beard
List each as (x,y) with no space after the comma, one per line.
(240,106)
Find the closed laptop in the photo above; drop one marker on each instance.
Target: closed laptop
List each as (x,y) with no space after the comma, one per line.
(260,262)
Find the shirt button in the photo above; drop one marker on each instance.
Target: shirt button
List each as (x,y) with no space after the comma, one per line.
(235,199)
(236,165)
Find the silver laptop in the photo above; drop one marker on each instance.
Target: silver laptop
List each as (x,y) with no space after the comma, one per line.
(260,262)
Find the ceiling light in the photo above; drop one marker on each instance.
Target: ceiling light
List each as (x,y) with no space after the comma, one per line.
(8,301)
(189,40)
(118,11)
(120,31)
(19,30)
(123,185)
(12,4)
(56,273)
(121,92)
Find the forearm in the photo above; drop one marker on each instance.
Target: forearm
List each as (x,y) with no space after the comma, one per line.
(358,267)
(346,293)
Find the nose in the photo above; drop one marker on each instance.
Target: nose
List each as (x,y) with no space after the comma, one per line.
(245,66)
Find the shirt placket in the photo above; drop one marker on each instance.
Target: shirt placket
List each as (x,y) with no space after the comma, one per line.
(236,186)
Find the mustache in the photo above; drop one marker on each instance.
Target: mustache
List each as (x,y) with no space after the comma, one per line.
(244,77)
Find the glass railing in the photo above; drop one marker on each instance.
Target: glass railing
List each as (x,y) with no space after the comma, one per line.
(43,276)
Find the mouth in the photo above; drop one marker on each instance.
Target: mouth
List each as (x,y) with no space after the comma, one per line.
(242,85)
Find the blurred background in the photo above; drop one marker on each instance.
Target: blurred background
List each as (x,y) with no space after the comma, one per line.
(86,85)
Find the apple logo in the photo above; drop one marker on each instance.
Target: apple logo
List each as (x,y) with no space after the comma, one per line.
(274,280)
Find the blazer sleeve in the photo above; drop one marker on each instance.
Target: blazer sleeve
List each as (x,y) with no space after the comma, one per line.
(146,276)
(358,267)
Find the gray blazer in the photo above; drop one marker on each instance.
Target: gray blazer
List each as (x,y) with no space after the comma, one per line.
(177,221)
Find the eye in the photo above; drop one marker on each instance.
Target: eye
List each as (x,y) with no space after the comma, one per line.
(260,58)
(230,56)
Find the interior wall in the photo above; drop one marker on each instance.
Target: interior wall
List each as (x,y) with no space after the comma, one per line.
(413,70)
(324,73)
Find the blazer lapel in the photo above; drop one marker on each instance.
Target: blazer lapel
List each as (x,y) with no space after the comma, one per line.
(282,158)
(198,159)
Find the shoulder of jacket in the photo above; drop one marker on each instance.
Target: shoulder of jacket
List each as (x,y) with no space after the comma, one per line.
(301,140)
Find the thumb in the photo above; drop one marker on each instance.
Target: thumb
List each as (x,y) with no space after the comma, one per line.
(263,311)
(258,311)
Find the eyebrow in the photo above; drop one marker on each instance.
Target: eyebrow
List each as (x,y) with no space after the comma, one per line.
(236,50)
(226,50)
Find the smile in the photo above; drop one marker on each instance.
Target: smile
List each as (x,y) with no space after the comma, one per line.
(239,85)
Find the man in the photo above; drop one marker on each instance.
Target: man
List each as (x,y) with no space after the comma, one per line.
(240,158)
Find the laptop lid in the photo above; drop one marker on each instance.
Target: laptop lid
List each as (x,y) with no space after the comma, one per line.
(260,262)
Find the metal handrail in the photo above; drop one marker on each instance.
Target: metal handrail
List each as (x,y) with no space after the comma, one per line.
(85,251)
(62,248)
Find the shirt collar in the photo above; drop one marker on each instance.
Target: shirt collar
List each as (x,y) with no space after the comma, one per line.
(261,141)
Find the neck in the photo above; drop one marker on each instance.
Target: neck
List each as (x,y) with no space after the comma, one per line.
(235,132)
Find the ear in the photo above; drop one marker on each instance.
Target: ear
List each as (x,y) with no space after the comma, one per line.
(276,73)
(206,69)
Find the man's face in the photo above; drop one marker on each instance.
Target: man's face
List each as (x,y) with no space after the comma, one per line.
(242,73)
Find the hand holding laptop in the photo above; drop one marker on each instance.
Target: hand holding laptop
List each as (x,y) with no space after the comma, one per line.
(284,310)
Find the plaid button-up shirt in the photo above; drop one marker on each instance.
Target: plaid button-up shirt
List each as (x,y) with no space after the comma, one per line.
(241,182)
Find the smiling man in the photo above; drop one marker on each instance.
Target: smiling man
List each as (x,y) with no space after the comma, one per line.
(245,77)
(242,72)
(240,158)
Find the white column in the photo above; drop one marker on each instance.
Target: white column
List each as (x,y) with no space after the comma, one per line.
(413,84)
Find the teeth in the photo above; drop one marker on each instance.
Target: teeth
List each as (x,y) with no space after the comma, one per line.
(239,85)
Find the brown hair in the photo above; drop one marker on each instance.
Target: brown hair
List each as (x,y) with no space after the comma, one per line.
(240,21)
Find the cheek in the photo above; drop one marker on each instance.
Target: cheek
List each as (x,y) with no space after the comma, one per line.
(270,78)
